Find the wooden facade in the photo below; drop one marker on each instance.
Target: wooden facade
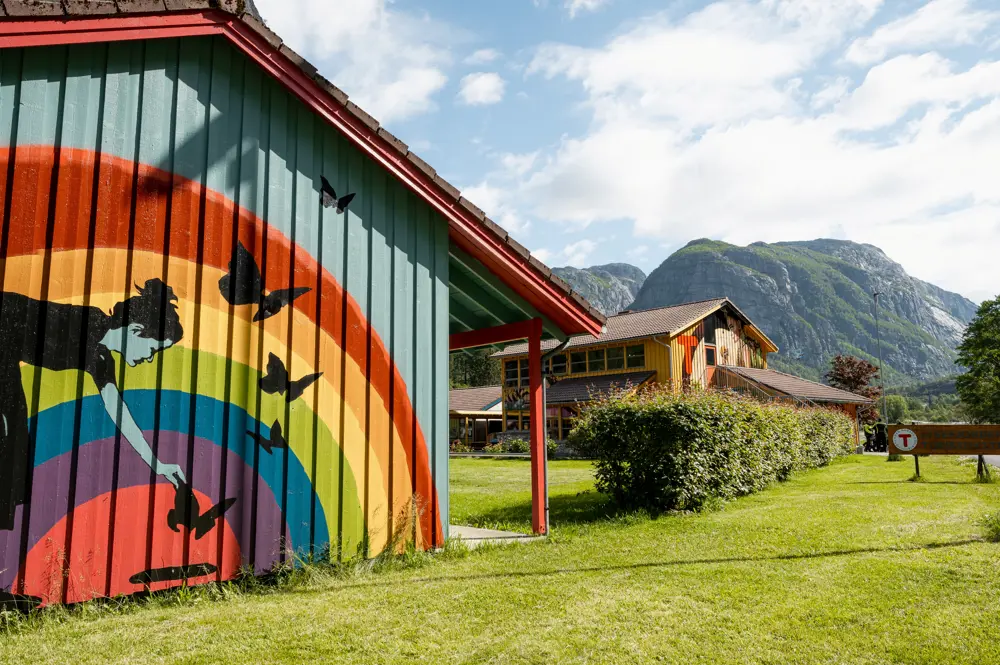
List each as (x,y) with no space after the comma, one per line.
(679,357)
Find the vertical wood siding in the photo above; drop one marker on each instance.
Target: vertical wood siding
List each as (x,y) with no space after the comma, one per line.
(144,165)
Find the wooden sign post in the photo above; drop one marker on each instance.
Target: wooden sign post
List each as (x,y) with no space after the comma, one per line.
(917,440)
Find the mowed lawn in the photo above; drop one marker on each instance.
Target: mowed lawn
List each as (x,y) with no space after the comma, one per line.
(849,564)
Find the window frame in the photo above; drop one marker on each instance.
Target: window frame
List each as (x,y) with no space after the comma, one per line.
(628,358)
(621,358)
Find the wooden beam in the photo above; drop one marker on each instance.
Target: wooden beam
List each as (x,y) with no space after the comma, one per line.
(538,427)
(495,335)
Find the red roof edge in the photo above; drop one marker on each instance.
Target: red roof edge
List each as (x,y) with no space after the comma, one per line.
(40,23)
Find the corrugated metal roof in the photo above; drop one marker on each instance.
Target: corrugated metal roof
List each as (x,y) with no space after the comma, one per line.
(634,325)
(586,388)
(246,12)
(796,386)
(473,399)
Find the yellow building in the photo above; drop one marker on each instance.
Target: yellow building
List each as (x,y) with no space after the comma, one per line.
(706,343)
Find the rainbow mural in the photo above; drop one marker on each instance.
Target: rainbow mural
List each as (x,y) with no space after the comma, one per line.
(155,425)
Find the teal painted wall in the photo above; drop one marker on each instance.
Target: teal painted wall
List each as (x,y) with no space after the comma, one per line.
(198,109)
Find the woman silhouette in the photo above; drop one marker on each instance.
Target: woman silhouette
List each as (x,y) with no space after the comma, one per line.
(59,336)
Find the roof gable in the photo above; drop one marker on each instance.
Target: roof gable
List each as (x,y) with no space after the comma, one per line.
(44,22)
(639,324)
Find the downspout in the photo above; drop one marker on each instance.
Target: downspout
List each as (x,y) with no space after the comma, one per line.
(545,424)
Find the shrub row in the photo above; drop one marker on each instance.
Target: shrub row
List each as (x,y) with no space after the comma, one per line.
(661,451)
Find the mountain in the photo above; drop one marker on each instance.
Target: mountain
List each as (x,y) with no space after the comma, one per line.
(610,288)
(813,299)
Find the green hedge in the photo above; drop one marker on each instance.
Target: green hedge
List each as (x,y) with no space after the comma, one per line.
(660,451)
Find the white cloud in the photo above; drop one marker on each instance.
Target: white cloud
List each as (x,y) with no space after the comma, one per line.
(543,255)
(482,88)
(938,23)
(391,63)
(482,56)
(495,202)
(576,253)
(740,139)
(574,7)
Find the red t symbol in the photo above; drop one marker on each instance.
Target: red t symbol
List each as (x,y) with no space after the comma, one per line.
(906,440)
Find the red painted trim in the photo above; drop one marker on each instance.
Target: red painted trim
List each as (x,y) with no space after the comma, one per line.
(465,230)
(690,343)
(49,32)
(539,425)
(487,336)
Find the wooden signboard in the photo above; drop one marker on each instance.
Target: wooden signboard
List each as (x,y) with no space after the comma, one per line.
(944,439)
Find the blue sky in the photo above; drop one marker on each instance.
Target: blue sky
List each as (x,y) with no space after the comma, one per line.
(618,130)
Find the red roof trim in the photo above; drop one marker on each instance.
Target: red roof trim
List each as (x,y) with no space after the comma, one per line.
(465,229)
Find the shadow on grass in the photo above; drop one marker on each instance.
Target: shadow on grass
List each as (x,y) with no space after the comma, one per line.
(909,481)
(581,508)
(667,564)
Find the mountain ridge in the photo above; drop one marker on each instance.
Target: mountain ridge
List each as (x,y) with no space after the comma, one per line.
(812,298)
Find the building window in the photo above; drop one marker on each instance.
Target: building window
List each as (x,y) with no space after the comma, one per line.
(635,356)
(525,375)
(567,426)
(525,423)
(710,356)
(510,373)
(559,364)
(453,428)
(595,361)
(512,423)
(578,362)
(616,358)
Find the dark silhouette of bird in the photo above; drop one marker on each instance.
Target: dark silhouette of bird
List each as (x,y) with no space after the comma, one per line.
(243,285)
(172,573)
(187,512)
(328,196)
(276,381)
(274,440)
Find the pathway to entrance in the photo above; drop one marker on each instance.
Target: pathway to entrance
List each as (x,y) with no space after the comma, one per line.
(474,537)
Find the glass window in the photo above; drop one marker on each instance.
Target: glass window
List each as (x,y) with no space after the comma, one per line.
(525,377)
(479,430)
(635,356)
(616,358)
(710,356)
(525,423)
(510,373)
(595,361)
(512,422)
(567,426)
(559,364)
(553,429)
(578,362)
(453,428)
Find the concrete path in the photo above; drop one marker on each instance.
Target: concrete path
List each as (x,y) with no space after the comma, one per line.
(474,537)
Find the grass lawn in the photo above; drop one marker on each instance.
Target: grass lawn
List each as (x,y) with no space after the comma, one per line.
(849,564)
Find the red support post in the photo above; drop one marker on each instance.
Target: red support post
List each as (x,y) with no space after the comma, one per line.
(538,427)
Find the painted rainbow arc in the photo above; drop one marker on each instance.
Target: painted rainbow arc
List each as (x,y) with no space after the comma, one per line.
(97,238)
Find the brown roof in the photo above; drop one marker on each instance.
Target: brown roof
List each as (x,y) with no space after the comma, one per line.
(586,388)
(638,324)
(796,386)
(473,399)
(246,12)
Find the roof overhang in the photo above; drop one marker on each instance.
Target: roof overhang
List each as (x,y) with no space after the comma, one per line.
(469,228)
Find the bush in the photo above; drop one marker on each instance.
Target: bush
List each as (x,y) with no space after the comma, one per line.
(660,451)
(991,527)
(518,445)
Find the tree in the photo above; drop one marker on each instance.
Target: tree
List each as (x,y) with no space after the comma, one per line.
(857,376)
(979,387)
(897,408)
(474,368)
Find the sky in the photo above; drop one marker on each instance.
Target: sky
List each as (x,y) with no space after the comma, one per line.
(619,130)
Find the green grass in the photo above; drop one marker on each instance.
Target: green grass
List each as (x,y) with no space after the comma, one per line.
(849,564)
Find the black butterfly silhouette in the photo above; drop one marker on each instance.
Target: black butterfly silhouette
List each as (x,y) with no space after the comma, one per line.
(275,440)
(276,380)
(243,285)
(328,196)
(187,512)
(172,573)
